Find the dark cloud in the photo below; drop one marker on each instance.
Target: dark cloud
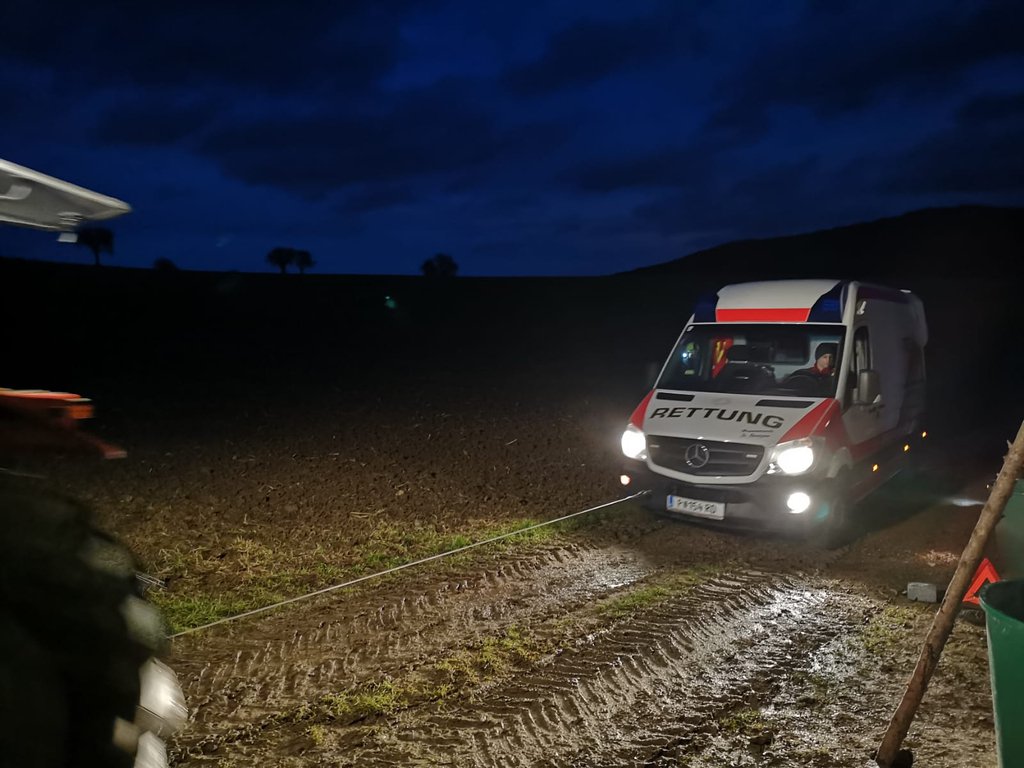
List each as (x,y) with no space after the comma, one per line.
(768,202)
(173,193)
(153,122)
(19,98)
(588,51)
(536,138)
(670,168)
(846,58)
(736,124)
(376,198)
(263,46)
(991,110)
(315,155)
(980,154)
(425,133)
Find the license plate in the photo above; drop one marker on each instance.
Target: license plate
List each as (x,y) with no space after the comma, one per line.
(715,510)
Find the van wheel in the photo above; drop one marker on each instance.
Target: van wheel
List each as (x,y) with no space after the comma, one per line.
(836,529)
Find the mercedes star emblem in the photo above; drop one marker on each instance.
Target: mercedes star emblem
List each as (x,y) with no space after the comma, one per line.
(697,455)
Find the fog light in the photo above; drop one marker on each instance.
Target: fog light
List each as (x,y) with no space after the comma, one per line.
(798,502)
(625,479)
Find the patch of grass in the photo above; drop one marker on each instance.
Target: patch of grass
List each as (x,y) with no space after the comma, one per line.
(490,659)
(317,734)
(659,590)
(328,572)
(497,653)
(746,721)
(591,520)
(392,545)
(177,560)
(252,555)
(379,698)
(438,692)
(819,684)
(183,611)
(888,630)
(644,597)
(258,576)
(460,669)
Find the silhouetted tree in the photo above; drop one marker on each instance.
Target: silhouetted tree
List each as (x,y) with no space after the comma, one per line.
(281,257)
(163,264)
(98,240)
(441,265)
(304,261)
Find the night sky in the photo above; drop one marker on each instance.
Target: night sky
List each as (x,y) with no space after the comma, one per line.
(558,138)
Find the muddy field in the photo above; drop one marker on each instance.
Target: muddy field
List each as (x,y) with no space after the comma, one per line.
(284,441)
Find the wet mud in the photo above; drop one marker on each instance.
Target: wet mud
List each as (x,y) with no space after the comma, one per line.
(745,660)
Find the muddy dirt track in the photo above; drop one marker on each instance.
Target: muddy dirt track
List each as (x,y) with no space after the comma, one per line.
(263,466)
(743,653)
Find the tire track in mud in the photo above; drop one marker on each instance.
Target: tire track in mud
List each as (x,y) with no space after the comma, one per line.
(647,692)
(239,674)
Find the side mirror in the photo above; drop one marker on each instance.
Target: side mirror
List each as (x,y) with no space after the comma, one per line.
(869,387)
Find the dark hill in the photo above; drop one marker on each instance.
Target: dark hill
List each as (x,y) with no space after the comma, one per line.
(964,241)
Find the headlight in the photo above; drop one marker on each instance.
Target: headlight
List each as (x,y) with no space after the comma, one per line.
(634,444)
(792,458)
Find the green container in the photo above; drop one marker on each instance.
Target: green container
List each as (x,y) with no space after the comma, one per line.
(1003,603)
(1009,536)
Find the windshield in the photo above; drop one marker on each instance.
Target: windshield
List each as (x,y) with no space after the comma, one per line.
(795,360)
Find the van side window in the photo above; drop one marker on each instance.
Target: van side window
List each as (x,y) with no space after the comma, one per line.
(915,361)
(861,350)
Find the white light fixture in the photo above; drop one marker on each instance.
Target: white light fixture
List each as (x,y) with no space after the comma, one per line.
(634,444)
(792,458)
(798,502)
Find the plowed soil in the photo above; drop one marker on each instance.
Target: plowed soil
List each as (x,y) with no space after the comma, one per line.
(623,638)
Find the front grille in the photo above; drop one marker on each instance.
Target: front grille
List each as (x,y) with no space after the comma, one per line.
(724,459)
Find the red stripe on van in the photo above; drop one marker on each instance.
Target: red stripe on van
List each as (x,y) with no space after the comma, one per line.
(637,419)
(815,422)
(826,420)
(766,315)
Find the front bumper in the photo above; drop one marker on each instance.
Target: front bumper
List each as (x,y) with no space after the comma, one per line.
(761,505)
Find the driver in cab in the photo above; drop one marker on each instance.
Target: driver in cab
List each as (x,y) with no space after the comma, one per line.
(824,361)
(818,377)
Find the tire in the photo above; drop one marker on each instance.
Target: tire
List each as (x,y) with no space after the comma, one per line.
(835,530)
(33,705)
(66,585)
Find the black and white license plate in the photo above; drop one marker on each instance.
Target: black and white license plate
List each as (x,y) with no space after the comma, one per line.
(713,510)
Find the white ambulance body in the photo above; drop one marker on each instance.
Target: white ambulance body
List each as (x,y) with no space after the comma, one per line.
(751,423)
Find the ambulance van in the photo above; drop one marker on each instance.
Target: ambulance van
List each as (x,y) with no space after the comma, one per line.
(783,404)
